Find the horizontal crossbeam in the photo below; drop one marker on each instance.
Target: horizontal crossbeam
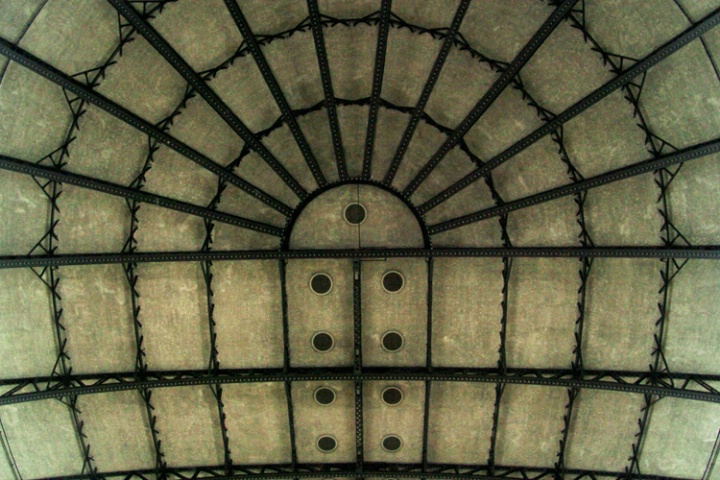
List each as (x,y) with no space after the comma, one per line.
(648,166)
(27,60)
(708,252)
(372,470)
(681,385)
(62,176)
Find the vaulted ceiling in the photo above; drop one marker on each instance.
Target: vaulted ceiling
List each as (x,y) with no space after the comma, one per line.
(529,260)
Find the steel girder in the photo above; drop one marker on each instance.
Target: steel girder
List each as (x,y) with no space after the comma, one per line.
(70,84)
(199,85)
(378,72)
(648,166)
(708,252)
(426,91)
(571,112)
(494,92)
(371,470)
(681,385)
(274,87)
(56,175)
(326,81)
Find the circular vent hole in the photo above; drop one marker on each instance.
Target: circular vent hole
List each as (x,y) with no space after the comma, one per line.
(321,283)
(392,341)
(392,396)
(326,443)
(323,342)
(392,443)
(355,214)
(393,282)
(325,396)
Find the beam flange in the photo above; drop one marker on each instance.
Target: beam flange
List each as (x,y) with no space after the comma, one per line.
(647,383)
(706,252)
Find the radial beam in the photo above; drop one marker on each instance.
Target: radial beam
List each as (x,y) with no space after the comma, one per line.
(32,169)
(589,100)
(647,166)
(707,252)
(496,89)
(125,9)
(372,470)
(274,87)
(378,72)
(326,80)
(681,385)
(427,91)
(26,59)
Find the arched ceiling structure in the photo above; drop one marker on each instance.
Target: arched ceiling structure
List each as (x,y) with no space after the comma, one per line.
(544,176)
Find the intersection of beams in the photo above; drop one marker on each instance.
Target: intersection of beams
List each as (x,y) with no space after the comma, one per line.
(198,84)
(27,60)
(571,112)
(267,75)
(52,174)
(427,90)
(707,252)
(495,90)
(326,80)
(662,384)
(687,154)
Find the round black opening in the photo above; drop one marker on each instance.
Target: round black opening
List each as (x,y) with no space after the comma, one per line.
(393,282)
(322,342)
(324,396)
(355,214)
(326,443)
(321,283)
(391,443)
(392,341)
(392,396)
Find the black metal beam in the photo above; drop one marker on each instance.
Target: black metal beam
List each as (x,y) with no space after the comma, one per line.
(374,470)
(428,362)
(326,80)
(647,166)
(380,50)
(55,175)
(198,84)
(274,87)
(286,358)
(426,92)
(571,112)
(494,92)
(357,368)
(687,386)
(706,252)
(26,59)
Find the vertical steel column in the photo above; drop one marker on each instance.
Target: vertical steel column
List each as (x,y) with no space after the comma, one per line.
(282,264)
(428,362)
(357,367)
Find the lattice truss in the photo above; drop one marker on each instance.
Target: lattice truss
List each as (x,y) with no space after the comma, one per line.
(544,175)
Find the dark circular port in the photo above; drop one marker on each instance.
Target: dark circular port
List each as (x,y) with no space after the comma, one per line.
(321,283)
(323,342)
(392,443)
(355,214)
(326,443)
(392,341)
(392,396)
(393,282)
(325,395)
